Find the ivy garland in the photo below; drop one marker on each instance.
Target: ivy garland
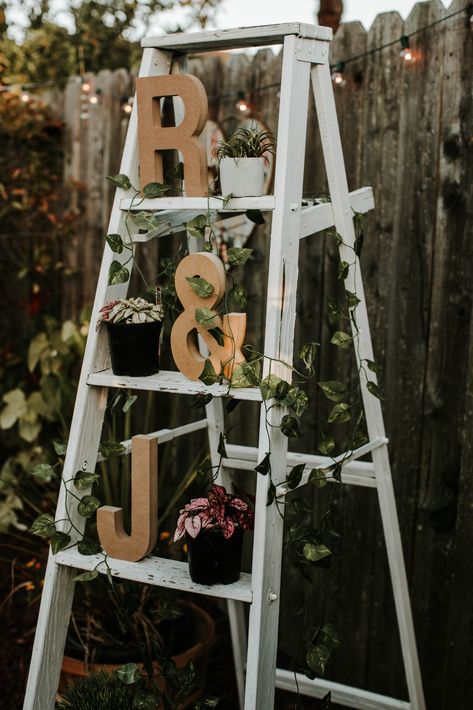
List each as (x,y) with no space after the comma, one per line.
(304,544)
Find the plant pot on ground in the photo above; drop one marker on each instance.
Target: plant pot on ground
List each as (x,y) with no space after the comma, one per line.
(214,526)
(176,640)
(241,162)
(134,327)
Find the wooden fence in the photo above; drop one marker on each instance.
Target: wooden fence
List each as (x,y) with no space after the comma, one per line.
(407,130)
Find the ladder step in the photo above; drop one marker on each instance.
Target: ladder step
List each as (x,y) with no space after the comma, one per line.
(159,572)
(236,38)
(340,694)
(174,382)
(221,204)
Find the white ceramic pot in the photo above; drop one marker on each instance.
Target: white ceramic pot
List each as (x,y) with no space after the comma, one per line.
(242,177)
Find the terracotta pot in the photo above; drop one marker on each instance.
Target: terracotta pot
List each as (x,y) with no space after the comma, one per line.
(73,668)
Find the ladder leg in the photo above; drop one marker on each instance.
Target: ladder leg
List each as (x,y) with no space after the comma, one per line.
(343,217)
(279,336)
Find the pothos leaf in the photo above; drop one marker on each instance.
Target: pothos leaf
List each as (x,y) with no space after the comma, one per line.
(352,299)
(43,526)
(221,450)
(111,448)
(359,243)
(307,355)
(341,339)
(87,506)
(155,189)
(297,400)
(343,268)
(315,551)
(200,401)
(196,227)
(130,400)
(271,493)
(115,243)
(238,256)
(86,576)
(122,181)
(317,657)
(59,448)
(59,541)
(203,468)
(264,466)
(373,366)
(290,427)
(337,472)
(218,334)
(200,286)
(86,546)
(269,385)
(373,388)
(333,389)
(145,220)
(238,295)
(339,414)
(43,472)
(117,274)
(326,444)
(318,478)
(295,475)
(208,376)
(206,317)
(84,479)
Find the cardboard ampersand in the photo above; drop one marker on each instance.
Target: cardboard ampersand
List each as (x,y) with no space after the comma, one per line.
(144,507)
(153,137)
(184,345)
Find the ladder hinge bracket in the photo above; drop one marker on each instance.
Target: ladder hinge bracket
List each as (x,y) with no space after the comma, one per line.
(312,51)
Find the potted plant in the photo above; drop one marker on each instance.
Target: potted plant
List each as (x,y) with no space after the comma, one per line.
(241,162)
(214,526)
(134,327)
(144,625)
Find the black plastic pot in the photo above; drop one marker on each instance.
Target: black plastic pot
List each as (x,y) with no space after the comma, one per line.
(214,559)
(134,348)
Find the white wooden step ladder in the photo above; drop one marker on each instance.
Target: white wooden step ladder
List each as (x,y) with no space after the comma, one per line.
(306,52)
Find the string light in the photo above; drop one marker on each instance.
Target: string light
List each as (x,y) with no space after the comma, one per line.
(338,77)
(406,51)
(242,104)
(86,86)
(25,97)
(127,104)
(94,100)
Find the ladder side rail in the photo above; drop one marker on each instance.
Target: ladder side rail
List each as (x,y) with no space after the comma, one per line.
(279,333)
(333,154)
(82,449)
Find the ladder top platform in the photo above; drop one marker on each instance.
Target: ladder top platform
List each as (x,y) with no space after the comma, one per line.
(236,38)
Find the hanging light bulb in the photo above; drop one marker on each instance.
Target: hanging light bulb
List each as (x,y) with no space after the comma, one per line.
(127,104)
(242,104)
(25,97)
(406,51)
(338,76)
(94,100)
(86,86)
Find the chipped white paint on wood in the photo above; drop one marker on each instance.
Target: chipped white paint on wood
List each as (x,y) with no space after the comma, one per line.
(174,382)
(319,217)
(164,435)
(220,204)
(160,572)
(236,38)
(340,694)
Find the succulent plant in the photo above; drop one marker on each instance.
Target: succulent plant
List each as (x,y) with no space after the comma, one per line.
(132,310)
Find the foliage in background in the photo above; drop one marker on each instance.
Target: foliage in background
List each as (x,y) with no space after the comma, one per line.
(101,34)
